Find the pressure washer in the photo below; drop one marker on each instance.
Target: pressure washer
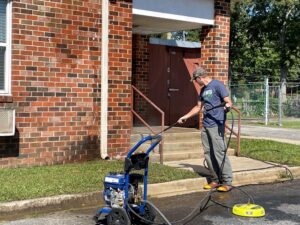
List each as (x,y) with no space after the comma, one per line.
(121,193)
(126,204)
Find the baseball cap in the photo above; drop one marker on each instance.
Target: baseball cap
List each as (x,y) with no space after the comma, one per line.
(198,72)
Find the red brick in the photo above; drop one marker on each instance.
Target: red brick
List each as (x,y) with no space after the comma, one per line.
(210,41)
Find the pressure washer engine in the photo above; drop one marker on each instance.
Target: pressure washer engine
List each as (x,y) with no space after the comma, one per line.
(114,189)
(126,204)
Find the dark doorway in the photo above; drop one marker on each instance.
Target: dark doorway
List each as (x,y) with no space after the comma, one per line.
(170,69)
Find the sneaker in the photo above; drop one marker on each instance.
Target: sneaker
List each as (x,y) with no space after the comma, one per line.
(211,185)
(224,188)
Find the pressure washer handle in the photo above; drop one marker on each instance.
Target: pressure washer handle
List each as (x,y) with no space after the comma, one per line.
(156,138)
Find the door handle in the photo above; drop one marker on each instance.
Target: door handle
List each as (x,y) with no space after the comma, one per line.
(173,89)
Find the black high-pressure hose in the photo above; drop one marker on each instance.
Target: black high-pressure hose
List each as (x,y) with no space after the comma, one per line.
(202,204)
(201,207)
(272,164)
(223,104)
(226,146)
(251,200)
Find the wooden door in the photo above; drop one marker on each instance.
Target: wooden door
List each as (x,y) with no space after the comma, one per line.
(169,82)
(182,93)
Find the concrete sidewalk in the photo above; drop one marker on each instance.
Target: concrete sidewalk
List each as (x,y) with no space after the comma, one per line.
(283,140)
(246,171)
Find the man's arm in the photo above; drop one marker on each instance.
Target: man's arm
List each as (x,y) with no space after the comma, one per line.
(223,92)
(194,111)
(228,102)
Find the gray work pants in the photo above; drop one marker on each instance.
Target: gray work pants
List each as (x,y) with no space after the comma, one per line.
(214,151)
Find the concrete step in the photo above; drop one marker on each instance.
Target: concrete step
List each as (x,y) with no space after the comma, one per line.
(189,145)
(174,147)
(171,137)
(182,137)
(175,156)
(177,146)
(184,155)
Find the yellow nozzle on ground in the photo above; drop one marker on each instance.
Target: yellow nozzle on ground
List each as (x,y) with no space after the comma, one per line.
(248,210)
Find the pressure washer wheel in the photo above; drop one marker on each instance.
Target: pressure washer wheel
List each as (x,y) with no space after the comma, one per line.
(149,215)
(118,216)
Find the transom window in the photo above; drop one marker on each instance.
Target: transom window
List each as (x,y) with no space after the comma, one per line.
(5,47)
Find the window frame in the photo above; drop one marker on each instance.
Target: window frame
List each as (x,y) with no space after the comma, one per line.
(7,45)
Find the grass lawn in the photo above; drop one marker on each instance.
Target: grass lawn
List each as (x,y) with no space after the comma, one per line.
(294,124)
(271,151)
(27,183)
(287,124)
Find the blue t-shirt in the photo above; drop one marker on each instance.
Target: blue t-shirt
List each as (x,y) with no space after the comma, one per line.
(212,95)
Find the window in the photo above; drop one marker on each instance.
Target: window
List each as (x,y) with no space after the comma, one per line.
(5,47)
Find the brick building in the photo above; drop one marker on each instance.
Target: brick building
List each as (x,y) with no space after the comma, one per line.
(67,66)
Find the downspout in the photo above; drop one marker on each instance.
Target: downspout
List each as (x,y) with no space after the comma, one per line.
(104,81)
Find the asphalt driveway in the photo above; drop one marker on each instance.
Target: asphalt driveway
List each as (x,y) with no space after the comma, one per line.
(281,202)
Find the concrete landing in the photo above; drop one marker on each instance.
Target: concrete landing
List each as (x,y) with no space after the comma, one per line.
(239,164)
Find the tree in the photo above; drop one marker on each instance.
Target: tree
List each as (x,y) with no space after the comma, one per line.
(278,22)
(265,37)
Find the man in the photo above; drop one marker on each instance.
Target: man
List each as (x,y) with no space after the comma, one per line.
(212,95)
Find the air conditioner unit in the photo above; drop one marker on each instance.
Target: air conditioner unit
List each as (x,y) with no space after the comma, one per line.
(7,122)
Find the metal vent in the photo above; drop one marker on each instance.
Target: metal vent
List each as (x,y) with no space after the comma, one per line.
(7,122)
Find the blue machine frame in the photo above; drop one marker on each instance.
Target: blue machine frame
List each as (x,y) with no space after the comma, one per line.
(130,165)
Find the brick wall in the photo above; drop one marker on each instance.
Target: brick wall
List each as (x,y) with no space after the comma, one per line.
(215,42)
(56,77)
(140,72)
(56,81)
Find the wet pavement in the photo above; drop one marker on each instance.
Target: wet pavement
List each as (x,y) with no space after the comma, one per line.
(281,202)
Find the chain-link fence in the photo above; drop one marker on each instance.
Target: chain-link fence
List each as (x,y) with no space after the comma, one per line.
(267,101)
